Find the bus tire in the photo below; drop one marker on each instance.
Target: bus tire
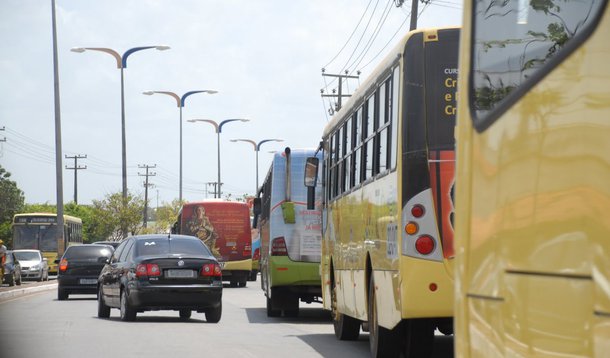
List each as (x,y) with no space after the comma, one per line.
(418,337)
(271,312)
(346,328)
(383,342)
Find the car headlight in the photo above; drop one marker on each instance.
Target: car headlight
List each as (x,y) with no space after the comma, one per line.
(35,267)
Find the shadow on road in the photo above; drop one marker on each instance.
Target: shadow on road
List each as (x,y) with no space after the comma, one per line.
(306,316)
(326,345)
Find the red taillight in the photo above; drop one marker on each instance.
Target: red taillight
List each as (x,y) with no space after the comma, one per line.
(278,247)
(418,211)
(147,270)
(63,265)
(211,270)
(424,244)
(247,250)
(257,254)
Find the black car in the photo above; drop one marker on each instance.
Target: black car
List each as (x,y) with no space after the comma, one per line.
(79,269)
(12,270)
(114,244)
(161,272)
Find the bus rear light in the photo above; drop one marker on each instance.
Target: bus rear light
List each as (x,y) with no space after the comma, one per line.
(63,265)
(143,270)
(247,250)
(411,228)
(424,245)
(212,270)
(278,247)
(418,211)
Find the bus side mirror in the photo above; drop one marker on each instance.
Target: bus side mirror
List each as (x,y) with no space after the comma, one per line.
(311,178)
(256,206)
(311,172)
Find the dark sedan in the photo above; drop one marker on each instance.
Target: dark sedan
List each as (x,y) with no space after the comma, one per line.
(79,269)
(161,272)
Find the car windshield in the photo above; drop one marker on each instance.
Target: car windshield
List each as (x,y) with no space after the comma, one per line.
(27,256)
(156,246)
(87,252)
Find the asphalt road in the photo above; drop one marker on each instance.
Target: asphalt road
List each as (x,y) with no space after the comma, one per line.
(35,324)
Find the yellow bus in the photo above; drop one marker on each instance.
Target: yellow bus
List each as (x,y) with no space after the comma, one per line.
(533,180)
(39,231)
(388,170)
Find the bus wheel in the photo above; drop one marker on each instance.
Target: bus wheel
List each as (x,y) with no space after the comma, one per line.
(346,328)
(383,342)
(418,338)
(271,312)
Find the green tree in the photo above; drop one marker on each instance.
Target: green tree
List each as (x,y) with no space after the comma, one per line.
(11,202)
(115,218)
(166,216)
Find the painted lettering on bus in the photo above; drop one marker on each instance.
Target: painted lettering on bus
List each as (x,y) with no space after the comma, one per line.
(450,97)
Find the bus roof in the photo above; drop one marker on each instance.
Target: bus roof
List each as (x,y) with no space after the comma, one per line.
(368,85)
(66,217)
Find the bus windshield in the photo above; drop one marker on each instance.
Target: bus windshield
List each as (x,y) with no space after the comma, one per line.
(40,237)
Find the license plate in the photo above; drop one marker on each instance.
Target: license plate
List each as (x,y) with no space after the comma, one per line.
(87,281)
(180,273)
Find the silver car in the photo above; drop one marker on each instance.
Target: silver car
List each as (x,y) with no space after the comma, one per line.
(33,264)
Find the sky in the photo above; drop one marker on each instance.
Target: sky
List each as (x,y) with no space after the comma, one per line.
(264,57)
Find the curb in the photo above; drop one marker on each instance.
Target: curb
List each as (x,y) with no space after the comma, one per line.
(5,295)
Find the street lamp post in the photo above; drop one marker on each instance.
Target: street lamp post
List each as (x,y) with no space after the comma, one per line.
(121,62)
(257,148)
(218,128)
(180,102)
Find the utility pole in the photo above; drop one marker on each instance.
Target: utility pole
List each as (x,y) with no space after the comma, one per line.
(340,94)
(215,185)
(146,185)
(413,25)
(76,168)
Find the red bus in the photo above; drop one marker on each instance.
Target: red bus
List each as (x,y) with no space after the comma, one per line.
(224,226)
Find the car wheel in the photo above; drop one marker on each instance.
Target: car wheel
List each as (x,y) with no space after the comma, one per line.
(128,313)
(213,314)
(185,314)
(233,283)
(62,294)
(103,311)
(243,282)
